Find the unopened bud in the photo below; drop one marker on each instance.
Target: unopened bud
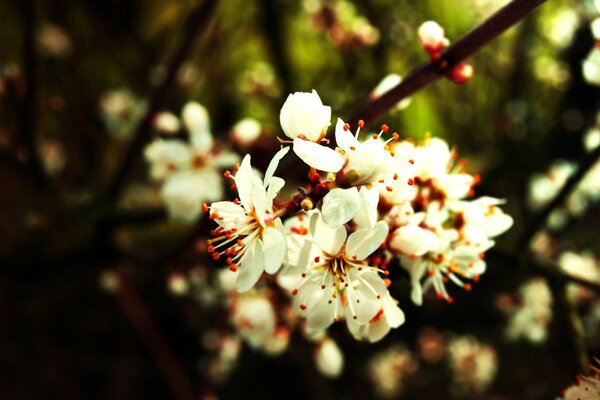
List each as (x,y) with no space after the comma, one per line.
(431,36)
(307,204)
(461,73)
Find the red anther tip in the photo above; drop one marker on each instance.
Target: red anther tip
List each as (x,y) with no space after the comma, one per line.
(346,126)
(361,123)
(385,128)
(294,292)
(411,182)
(395,136)
(204,207)
(411,161)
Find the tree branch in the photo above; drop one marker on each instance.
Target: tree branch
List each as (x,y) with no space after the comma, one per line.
(538,221)
(149,334)
(197,20)
(465,47)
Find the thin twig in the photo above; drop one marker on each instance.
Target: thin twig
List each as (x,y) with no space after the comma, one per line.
(197,20)
(545,268)
(149,334)
(465,47)
(538,221)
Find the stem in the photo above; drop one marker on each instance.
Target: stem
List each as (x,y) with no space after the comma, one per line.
(197,20)
(545,268)
(538,221)
(465,47)
(157,346)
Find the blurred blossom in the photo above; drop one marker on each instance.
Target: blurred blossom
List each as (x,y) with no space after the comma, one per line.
(177,284)
(432,345)
(551,71)
(121,111)
(583,265)
(166,122)
(227,350)
(54,41)
(329,358)
(473,365)
(188,170)
(591,67)
(591,140)
(560,26)
(346,28)
(529,318)
(260,79)
(110,281)
(245,132)
(595,28)
(390,369)
(52,154)
(387,83)
(544,187)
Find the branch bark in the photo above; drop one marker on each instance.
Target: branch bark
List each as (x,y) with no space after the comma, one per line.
(428,72)
(196,22)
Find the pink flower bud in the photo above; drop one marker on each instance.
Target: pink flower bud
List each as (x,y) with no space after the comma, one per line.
(461,73)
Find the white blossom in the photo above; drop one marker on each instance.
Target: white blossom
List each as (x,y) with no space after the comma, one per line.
(252,229)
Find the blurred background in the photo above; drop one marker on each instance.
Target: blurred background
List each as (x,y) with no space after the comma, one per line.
(104,296)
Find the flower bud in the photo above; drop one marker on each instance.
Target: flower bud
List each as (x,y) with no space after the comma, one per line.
(329,358)
(304,115)
(461,73)
(431,36)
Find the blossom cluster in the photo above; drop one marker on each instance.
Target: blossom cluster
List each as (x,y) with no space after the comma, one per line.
(368,207)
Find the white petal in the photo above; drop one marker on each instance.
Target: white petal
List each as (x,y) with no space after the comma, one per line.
(367,215)
(393,314)
(275,186)
(365,308)
(328,239)
(274,163)
(304,114)
(274,246)
(231,215)
(340,206)
(377,330)
(344,138)
(413,240)
(319,157)
(259,199)
(251,267)
(364,242)
(243,182)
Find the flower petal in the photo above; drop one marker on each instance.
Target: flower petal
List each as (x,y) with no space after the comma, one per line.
(330,240)
(274,246)
(364,242)
(274,163)
(275,186)
(317,156)
(344,138)
(340,206)
(413,240)
(251,267)
(243,182)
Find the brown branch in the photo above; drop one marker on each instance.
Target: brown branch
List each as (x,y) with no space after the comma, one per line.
(538,221)
(465,47)
(543,267)
(197,20)
(149,334)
